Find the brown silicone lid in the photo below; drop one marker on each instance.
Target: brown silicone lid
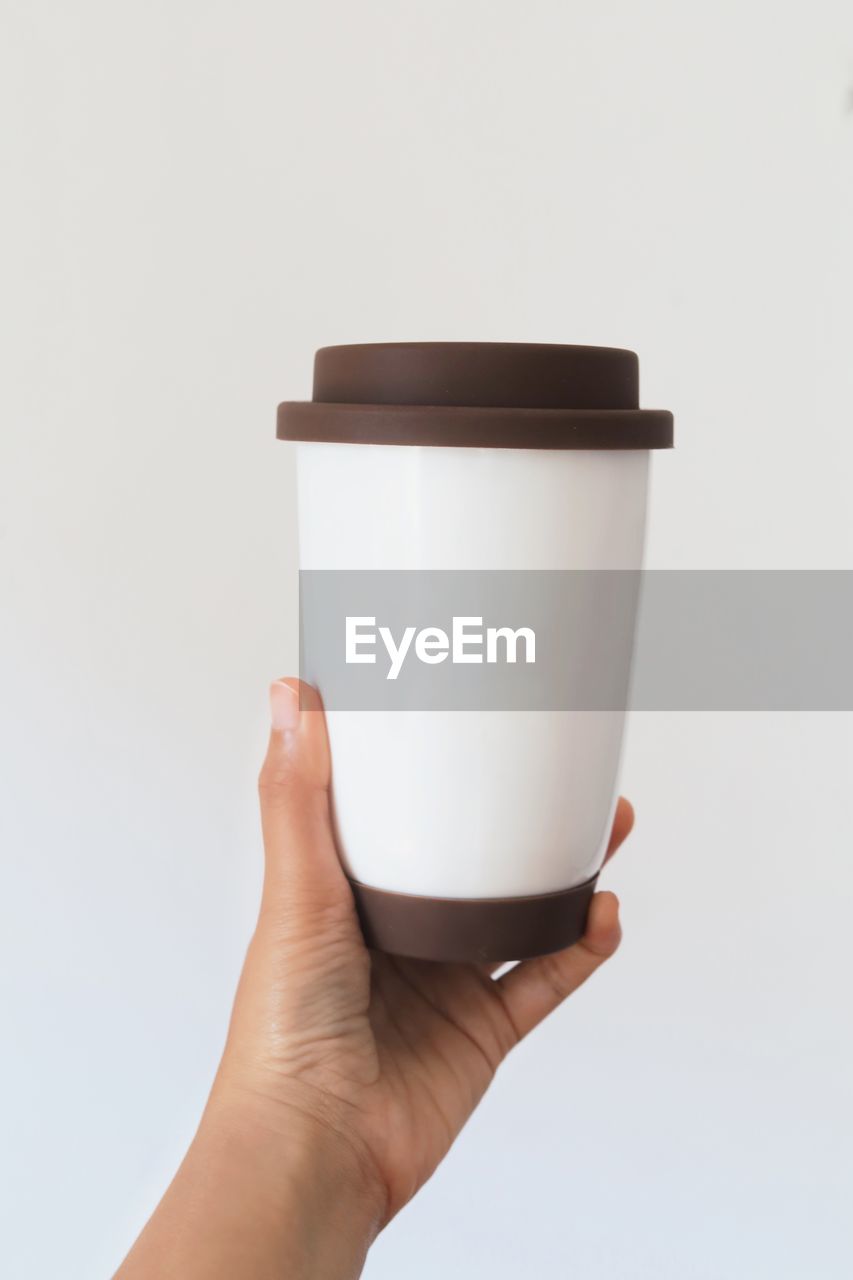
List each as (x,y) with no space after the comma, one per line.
(477,394)
(472,930)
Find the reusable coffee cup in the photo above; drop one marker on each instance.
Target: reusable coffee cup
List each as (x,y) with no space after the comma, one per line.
(473,833)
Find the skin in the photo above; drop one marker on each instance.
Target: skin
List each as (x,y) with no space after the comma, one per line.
(347,1074)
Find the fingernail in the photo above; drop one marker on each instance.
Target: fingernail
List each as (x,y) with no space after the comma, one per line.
(284,706)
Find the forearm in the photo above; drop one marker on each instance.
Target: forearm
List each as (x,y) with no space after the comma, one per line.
(263,1195)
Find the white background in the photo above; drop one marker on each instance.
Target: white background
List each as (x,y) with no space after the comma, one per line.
(197,195)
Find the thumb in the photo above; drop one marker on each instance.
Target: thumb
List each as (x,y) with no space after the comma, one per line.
(302,869)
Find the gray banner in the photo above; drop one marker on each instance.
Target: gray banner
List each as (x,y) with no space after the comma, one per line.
(716,640)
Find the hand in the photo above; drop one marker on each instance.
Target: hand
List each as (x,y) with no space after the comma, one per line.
(394,1053)
(346,1074)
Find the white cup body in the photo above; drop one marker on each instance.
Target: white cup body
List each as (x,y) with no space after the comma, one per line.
(472,804)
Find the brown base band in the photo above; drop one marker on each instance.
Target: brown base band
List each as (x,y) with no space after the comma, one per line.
(472,930)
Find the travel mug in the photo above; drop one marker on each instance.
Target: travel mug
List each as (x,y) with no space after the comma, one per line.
(472,834)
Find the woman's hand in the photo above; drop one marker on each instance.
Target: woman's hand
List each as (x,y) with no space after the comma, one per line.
(345,1069)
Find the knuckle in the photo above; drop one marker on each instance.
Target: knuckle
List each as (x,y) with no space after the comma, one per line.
(314,916)
(510,1031)
(555,978)
(506,1030)
(275,778)
(598,950)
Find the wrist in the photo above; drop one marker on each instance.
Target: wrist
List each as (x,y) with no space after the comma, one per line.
(301,1160)
(266,1188)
